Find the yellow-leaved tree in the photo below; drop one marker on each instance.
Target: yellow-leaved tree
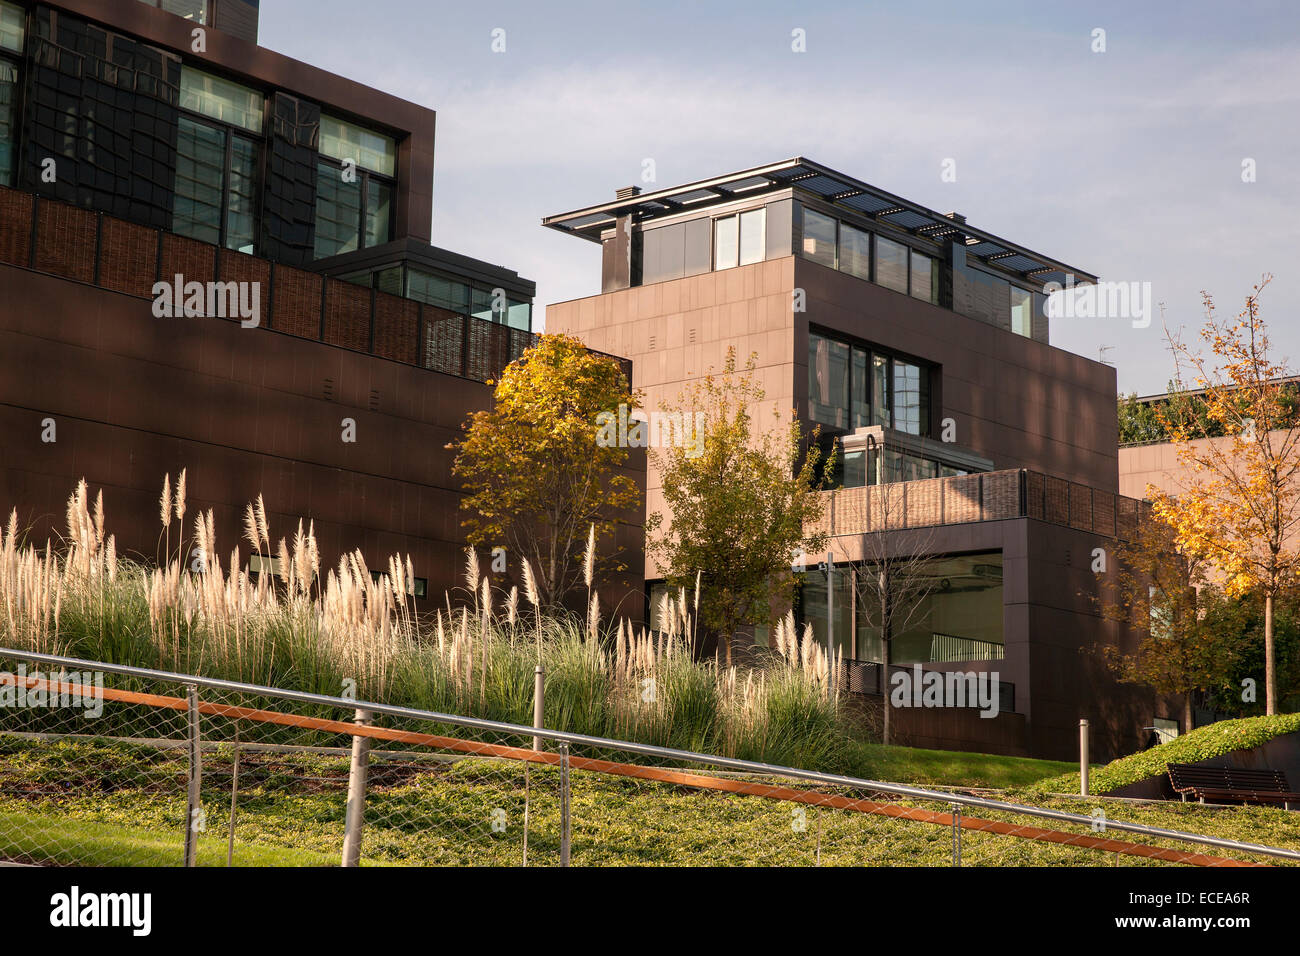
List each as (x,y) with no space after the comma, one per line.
(537,475)
(1239,501)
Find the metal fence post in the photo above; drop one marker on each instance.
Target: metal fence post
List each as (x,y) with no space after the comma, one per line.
(193,802)
(564,803)
(539,702)
(356,810)
(1083,757)
(234,800)
(956,834)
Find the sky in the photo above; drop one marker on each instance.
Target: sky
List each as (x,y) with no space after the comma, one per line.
(1126,163)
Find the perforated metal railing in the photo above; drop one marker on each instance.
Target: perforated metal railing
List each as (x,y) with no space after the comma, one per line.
(102,764)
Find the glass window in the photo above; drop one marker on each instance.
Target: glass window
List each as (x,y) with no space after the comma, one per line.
(200,175)
(390,280)
(855,251)
(481,302)
(519,315)
(813,605)
(861,389)
(925,278)
(960,619)
(8,122)
(1022,309)
(220,99)
(343,141)
(828,381)
(196,10)
(891,264)
(880,390)
(726,243)
(435,290)
(818,237)
(379,207)
(11,27)
(911,398)
(338,212)
(241,200)
(753,236)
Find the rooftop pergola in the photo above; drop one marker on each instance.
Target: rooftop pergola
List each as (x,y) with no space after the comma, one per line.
(858,198)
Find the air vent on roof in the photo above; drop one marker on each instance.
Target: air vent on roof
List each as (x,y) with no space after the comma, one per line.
(955,217)
(627,192)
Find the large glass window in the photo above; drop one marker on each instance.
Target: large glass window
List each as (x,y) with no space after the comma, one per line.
(435,290)
(726,243)
(813,605)
(891,264)
(911,398)
(879,390)
(222,100)
(8,121)
(338,211)
(957,616)
(354,188)
(860,398)
(369,150)
(855,251)
(12,19)
(925,278)
(196,10)
(753,236)
(818,237)
(828,381)
(215,198)
(1022,312)
(200,181)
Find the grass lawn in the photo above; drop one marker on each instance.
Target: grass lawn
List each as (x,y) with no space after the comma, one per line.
(100,803)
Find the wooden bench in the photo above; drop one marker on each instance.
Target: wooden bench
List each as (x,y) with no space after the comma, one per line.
(1231,784)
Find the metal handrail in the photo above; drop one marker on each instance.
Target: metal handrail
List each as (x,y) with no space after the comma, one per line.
(650,750)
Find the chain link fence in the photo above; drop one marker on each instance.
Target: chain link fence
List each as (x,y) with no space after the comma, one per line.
(112,766)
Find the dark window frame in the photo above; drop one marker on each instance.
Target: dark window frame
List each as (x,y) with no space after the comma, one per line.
(872,351)
(231,130)
(364,175)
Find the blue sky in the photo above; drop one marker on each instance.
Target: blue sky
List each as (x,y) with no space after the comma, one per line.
(1126,163)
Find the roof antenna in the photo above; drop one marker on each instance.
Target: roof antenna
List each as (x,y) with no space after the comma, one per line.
(1101,355)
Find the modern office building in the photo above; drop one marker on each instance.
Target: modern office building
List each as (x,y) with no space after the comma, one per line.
(337,351)
(920,344)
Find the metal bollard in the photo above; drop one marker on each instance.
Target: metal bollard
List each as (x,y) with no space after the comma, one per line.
(539,702)
(1083,757)
(564,803)
(193,802)
(356,811)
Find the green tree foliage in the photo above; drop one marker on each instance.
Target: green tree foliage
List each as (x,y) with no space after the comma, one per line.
(535,475)
(740,502)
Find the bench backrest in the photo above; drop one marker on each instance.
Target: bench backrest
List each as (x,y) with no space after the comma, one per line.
(1184,776)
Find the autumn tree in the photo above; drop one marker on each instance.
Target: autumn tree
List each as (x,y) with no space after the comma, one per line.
(535,474)
(742,495)
(1239,505)
(1151,586)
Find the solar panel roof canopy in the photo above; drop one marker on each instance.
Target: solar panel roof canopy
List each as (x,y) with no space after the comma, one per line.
(857,197)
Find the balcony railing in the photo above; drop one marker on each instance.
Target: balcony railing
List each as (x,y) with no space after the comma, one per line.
(90,247)
(990,496)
